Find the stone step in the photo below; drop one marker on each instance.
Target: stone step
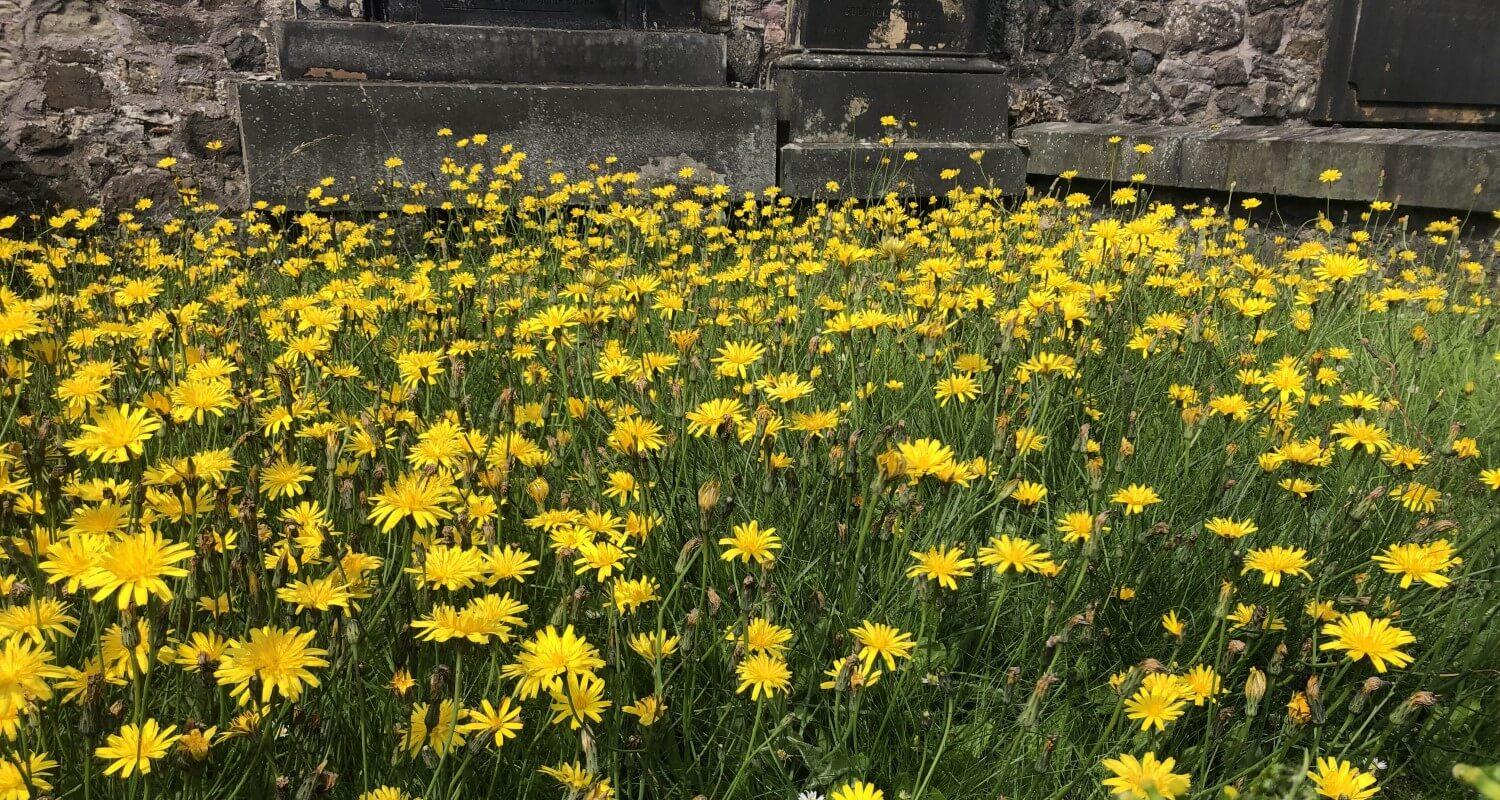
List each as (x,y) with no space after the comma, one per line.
(375,51)
(295,133)
(872,170)
(1428,168)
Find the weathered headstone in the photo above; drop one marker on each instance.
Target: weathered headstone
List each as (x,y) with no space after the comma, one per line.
(893,95)
(1399,62)
(569,82)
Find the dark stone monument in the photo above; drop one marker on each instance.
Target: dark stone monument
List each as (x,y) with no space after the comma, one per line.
(1397,62)
(568,82)
(921,63)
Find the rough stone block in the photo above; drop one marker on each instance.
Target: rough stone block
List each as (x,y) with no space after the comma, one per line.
(1087,149)
(73,86)
(872,170)
(1427,168)
(296,133)
(374,51)
(846,105)
(1207,26)
(245,53)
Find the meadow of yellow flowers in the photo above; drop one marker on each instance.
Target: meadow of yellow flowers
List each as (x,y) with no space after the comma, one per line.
(596,489)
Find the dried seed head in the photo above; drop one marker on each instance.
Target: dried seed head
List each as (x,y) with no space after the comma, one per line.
(708,496)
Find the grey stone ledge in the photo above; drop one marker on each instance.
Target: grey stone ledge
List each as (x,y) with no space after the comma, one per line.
(353,51)
(1426,168)
(870,170)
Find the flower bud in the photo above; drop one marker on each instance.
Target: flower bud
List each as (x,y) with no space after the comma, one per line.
(1255,689)
(538,490)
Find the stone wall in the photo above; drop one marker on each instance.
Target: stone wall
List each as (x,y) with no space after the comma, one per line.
(1164,61)
(95,93)
(757,34)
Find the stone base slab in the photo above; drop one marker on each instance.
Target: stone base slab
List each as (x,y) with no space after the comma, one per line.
(889,61)
(846,105)
(872,170)
(357,51)
(297,133)
(1425,168)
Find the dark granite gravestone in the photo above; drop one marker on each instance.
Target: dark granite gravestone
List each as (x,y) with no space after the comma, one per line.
(891,94)
(1403,62)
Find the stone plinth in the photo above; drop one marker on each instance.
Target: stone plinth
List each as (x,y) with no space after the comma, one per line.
(297,133)
(843,104)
